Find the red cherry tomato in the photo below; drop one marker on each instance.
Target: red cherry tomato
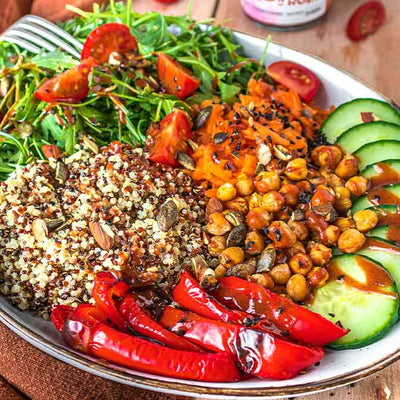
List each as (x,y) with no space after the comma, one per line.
(168,137)
(176,79)
(366,20)
(296,77)
(69,86)
(106,39)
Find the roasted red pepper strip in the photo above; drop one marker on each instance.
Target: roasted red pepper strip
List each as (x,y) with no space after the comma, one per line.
(300,323)
(59,314)
(142,323)
(259,354)
(87,332)
(188,294)
(106,291)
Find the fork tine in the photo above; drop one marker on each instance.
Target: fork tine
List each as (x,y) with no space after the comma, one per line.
(49,36)
(20,42)
(54,28)
(30,38)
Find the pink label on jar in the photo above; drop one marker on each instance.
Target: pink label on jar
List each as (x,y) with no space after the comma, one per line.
(285,13)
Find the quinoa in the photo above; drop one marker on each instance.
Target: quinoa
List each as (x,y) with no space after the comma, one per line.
(118,188)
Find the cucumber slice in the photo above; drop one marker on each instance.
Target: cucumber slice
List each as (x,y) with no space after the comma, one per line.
(362,134)
(349,114)
(373,153)
(383,173)
(386,254)
(392,197)
(368,309)
(390,233)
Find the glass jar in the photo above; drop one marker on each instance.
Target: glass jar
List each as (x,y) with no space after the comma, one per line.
(286,14)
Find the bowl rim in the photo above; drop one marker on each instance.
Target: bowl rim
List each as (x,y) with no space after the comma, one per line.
(103,369)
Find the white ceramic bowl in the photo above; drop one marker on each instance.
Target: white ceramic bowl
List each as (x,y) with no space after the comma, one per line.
(336,369)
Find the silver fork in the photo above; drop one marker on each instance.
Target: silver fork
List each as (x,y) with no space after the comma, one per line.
(35,34)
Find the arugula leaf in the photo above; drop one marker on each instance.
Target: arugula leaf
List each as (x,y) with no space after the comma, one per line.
(228,92)
(55,60)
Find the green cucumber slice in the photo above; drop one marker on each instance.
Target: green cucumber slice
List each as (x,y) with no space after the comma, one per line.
(383,173)
(390,233)
(364,201)
(349,114)
(362,134)
(373,153)
(368,310)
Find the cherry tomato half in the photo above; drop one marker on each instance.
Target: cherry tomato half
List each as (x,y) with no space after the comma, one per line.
(175,78)
(168,137)
(296,77)
(69,86)
(106,39)
(366,20)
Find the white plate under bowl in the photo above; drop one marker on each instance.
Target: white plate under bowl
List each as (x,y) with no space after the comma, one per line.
(336,369)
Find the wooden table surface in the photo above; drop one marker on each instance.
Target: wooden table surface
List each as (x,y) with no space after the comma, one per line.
(375,61)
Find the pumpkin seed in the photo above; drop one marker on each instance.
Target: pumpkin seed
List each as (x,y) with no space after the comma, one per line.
(167,215)
(202,117)
(61,172)
(186,161)
(53,224)
(266,260)
(237,236)
(220,137)
(241,270)
(234,217)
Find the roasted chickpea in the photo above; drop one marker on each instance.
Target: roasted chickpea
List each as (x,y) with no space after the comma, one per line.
(232,256)
(213,206)
(254,243)
(350,241)
(318,277)
(357,185)
(345,223)
(320,254)
(365,220)
(238,204)
(348,167)
(217,245)
(220,271)
(298,247)
(282,236)
(280,273)
(332,234)
(301,263)
(266,181)
(258,218)
(244,185)
(255,200)
(263,279)
(226,192)
(217,224)
(326,156)
(296,170)
(273,201)
(299,228)
(291,193)
(342,198)
(297,287)
(332,180)
(323,195)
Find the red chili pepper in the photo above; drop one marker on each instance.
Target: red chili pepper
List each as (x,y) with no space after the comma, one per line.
(106,291)
(142,323)
(86,331)
(59,314)
(188,294)
(300,323)
(259,354)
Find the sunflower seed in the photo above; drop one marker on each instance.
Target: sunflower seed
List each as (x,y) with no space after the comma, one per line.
(198,264)
(90,144)
(234,217)
(167,215)
(241,270)
(236,236)
(282,152)
(61,172)
(202,117)
(266,260)
(220,137)
(53,224)
(186,161)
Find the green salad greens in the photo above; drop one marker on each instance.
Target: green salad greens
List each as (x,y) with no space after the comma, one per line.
(127,98)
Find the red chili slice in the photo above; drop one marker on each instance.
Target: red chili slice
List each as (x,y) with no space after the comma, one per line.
(70,86)
(366,20)
(106,39)
(175,78)
(296,77)
(168,137)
